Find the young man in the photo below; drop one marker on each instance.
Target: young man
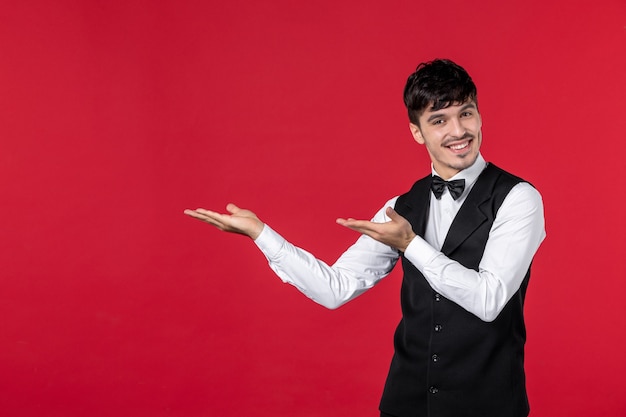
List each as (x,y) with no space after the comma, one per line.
(466,236)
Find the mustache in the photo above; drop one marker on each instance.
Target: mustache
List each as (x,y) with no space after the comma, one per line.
(447,142)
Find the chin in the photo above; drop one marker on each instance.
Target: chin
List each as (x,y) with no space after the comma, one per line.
(465,161)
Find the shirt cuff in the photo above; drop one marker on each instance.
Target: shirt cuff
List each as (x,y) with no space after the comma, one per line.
(269,242)
(420,253)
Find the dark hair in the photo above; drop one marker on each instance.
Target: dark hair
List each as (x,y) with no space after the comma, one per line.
(439,84)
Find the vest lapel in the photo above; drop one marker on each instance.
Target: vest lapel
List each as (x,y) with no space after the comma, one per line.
(471,215)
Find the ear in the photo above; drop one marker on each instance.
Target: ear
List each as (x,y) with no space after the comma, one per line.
(417,133)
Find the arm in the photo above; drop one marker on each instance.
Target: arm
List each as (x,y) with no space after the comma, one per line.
(515,236)
(359,268)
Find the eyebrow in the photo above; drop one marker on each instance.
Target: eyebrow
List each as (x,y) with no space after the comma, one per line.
(469,105)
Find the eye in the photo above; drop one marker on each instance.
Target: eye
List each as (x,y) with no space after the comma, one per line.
(437,122)
(466,114)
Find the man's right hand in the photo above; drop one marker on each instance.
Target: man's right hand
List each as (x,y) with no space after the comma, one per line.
(239,220)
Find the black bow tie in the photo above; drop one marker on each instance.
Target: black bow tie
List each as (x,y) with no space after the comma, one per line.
(455,187)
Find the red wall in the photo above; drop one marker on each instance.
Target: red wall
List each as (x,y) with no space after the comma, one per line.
(115,116)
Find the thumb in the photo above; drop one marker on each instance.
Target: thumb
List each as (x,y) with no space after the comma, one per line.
(392,214)
(232,208)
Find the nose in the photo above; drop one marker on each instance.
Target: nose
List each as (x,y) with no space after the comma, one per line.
(456,127)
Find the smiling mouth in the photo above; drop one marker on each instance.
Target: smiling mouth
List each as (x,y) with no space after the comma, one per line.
(459,146)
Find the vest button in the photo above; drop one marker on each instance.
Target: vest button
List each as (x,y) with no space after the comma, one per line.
(433,390)
(438,327)
(437,297)
(435,358)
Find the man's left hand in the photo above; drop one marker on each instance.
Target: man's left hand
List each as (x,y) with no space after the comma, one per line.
(396,233)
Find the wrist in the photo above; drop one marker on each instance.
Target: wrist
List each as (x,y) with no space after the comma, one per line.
(255,232)
(407,242)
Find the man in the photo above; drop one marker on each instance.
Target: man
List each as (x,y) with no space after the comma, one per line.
(466,236)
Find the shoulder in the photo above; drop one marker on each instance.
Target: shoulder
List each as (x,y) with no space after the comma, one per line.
(418,189)
(520,188)
(415,199)
(524,193)
(501,175)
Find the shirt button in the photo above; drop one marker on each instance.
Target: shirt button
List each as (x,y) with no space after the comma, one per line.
(435,358)
(438,327)
(433,390)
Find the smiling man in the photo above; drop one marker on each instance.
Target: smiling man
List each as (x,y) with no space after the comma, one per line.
(465,234)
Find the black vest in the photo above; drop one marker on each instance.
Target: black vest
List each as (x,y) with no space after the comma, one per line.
(447,361)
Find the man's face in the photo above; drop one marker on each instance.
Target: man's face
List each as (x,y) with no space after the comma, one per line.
(452,137)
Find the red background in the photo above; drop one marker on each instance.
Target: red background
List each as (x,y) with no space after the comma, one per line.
(117,115)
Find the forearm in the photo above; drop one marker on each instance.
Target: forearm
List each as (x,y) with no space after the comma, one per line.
(482,293)
(357,270)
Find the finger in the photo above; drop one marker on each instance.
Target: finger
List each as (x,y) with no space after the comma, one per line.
(216,219)
(347,222)
(206,212)
(232,208)
(392,214)
(195,214)
(362,226)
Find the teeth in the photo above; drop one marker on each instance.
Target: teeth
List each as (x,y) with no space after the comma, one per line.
(461,146)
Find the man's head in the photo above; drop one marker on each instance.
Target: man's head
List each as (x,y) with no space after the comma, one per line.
(436,85)
(441,101)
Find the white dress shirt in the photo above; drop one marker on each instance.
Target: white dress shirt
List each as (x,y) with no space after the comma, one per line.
(515,236)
